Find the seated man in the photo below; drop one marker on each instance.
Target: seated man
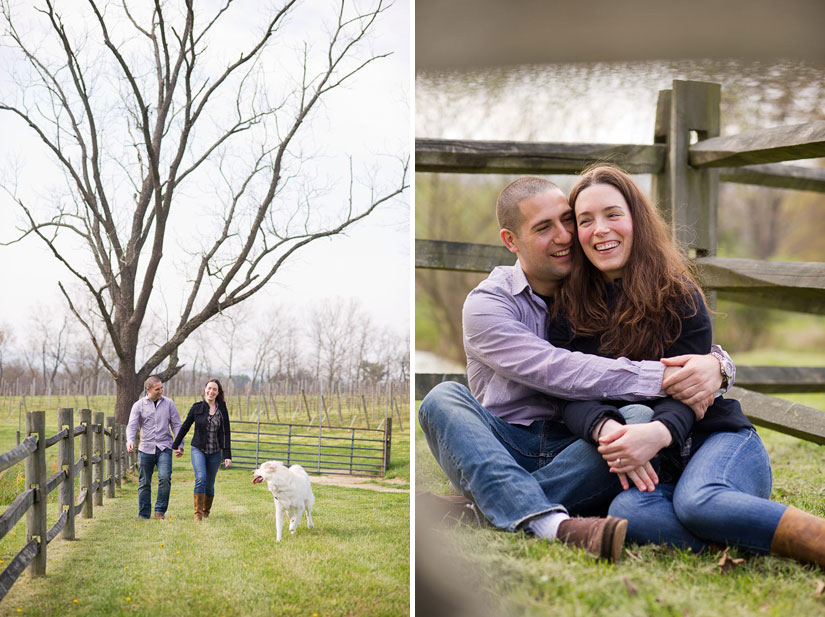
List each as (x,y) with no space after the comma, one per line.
(502,442)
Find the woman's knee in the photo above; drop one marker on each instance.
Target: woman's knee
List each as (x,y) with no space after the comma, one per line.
(626,504)
(636,414)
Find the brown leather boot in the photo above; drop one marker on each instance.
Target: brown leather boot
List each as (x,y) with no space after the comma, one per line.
(601,537)
(199,497)
(800,536)
(207,505)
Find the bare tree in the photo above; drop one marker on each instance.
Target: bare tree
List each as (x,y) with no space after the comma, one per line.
(142,105)
(333,328)
(47,347)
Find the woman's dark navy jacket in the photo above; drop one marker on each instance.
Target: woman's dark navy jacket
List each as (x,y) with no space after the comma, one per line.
(582,416)
(199,413)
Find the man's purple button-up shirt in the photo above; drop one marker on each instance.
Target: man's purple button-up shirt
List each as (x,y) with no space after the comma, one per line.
(515,373)
(158,425)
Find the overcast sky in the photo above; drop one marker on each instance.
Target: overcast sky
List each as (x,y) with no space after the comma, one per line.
(371,262)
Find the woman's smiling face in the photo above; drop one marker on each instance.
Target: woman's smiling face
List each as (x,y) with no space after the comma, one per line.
(605,228)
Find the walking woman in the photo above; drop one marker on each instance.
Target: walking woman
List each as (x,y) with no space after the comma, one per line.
(631,293)
(210,444)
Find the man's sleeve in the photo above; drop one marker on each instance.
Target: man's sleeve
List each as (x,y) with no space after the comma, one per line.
(132,426)
(495,336)
(174,419)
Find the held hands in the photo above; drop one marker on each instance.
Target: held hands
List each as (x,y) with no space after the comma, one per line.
(693,379)
(227,462)
(179,452)
(629,449)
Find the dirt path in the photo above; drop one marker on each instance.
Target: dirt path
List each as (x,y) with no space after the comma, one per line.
(361,482)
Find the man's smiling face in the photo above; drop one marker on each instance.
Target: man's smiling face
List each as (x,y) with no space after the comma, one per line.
(543,239)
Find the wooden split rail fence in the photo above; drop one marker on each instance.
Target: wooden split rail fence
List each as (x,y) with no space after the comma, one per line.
(99,445)
(686,160)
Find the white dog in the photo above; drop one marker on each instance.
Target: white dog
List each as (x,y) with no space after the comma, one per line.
(292,492)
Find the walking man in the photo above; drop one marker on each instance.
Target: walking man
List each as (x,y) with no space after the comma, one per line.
(158,420)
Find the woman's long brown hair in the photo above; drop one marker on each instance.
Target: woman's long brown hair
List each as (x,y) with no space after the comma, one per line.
(658,282)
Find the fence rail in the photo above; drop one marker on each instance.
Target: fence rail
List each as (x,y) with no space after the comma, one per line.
(99,445)
(316,447)
(685,182)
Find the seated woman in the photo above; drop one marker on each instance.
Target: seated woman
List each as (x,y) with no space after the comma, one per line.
(631,293)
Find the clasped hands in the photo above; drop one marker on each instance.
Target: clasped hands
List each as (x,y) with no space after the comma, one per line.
(628,449)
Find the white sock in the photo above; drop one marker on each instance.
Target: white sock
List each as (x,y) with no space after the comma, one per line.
(547,525)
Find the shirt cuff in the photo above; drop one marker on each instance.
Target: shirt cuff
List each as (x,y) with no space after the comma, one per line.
(651,374)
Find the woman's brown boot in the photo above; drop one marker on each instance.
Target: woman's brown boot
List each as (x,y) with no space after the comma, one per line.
(199,498)
(207,505)
(800,536)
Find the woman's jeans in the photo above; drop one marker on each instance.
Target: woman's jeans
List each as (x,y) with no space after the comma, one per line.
(206,470)
(514,473)
(721,497)
(146,468)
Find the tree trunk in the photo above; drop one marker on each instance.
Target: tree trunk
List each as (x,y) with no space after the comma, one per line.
(129,389)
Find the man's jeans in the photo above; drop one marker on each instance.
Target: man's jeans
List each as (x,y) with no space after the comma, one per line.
(514,473)
(721,496)
(206,470)
(147,462)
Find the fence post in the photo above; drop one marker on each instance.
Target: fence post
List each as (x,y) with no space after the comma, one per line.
(98,448)
(257,440)
(86,445)
(387,443)
(65,455)
(110,456)
(351,449)
(118,455)
(36,478)
(320,426)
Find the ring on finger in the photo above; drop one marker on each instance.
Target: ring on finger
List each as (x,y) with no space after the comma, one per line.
(618,462)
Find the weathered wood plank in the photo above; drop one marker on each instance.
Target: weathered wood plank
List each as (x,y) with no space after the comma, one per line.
(81,501)
(777,175)
(788,379)
(16,510)
(512,157)
(787,285)
(57,437)
(424,382)
(784,143)
(54,480)
(14,456)
(57,527)
(462,256)
(79,430)
(16,566)
(78,466)
(781,415)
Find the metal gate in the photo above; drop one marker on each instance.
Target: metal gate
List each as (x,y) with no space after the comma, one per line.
(323,449)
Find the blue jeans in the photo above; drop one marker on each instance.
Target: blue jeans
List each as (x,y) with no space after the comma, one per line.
(146,467)
(514,473)
(721,496)
(206,470)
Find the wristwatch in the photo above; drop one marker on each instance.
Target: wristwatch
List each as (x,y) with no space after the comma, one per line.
(725,366)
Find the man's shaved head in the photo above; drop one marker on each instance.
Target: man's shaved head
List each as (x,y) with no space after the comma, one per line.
(507,207)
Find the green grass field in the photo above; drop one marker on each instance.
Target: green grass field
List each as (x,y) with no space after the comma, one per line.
(520,575)
(355,562)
